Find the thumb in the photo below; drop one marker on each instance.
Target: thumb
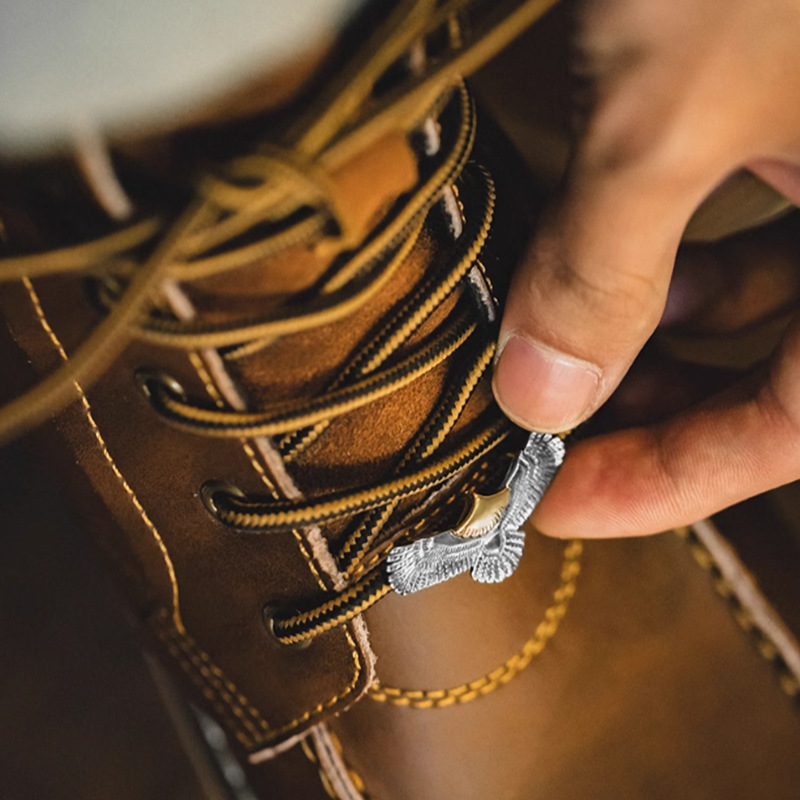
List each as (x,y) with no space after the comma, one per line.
(593,284)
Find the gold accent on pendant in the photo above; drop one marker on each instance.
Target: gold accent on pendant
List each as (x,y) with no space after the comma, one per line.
(485,514)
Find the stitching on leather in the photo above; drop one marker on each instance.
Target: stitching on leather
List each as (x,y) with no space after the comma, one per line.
(202,372)
(176,615)
(179,632)
(499,677)
(355,777)
(764,644)
(320,707)
(311,755)
(302,545)
(242,718)
(309,751)
(258,468)
(200,369)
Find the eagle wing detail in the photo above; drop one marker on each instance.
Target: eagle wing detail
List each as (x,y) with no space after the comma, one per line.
(494,554)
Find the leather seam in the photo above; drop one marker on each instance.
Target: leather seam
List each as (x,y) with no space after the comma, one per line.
(765,646)
(321,707)
(214,685)
(177,621)
(311,746)
(502,675)
(202,372)
(214,392)
(34,297)
(176,617)
(205,377)
(304,551)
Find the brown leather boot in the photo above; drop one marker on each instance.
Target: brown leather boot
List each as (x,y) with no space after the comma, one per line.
(292,339)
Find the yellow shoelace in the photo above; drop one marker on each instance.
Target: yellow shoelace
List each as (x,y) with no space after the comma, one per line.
(282,190)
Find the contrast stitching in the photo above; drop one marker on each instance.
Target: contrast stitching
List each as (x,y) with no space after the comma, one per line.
(309,752)
(246,722)
(499,677)
(307,556)
(179,631)
(200,368)
(320,707)
(764,644)
(215,395)
(176,615)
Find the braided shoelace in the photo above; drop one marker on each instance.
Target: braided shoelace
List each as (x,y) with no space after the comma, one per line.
(372,373)
(263,203)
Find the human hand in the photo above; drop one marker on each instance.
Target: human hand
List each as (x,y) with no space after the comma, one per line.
(676,96)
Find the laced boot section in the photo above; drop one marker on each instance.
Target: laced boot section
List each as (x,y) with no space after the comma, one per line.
(279,197)
(382,366)
(279,194)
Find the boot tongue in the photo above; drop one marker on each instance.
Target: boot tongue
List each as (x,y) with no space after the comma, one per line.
(362,191)
(300,366)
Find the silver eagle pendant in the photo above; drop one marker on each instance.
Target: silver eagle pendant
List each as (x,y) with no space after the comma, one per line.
(489,541)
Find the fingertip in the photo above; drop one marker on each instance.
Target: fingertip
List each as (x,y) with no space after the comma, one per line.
(615,486)
(542,389)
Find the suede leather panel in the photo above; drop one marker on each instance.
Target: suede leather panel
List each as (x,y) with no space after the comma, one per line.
(385,170)
(278,374)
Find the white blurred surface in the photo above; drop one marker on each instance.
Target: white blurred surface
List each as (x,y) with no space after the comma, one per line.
(70,64)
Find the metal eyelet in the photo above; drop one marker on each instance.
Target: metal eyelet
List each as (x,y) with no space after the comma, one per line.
(211,488)
(268,614)
(104,291)
(144,377)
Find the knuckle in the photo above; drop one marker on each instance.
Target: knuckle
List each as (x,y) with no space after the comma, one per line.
(780,415)
(624,132)
(614,297)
